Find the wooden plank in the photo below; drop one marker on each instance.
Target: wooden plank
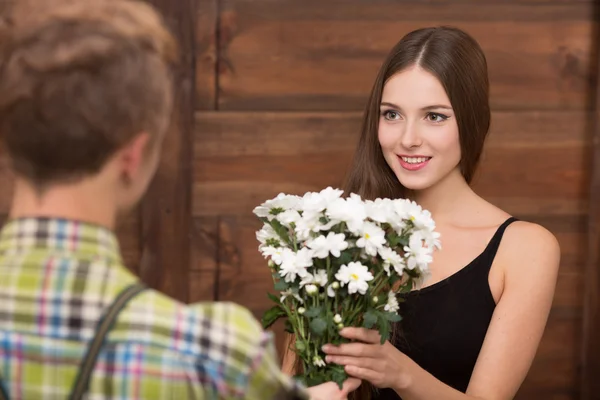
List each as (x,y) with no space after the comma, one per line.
(128,233)
(206,55)
(202,286)
(6,182)
(241,159)
(289,55)
(166,206)
(590,368)
(204,261)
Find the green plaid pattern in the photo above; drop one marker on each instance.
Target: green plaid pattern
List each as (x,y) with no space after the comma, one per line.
(56,278)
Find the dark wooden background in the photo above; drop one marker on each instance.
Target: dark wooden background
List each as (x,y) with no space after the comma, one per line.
(270,99)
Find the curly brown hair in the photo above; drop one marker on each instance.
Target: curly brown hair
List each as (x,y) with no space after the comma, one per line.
(78,80)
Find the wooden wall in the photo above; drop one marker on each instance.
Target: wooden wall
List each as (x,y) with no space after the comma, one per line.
(271,95)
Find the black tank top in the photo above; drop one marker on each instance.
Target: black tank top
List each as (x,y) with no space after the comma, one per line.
(444,324)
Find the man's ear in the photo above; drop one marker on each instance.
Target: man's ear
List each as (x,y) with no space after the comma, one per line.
(132,156)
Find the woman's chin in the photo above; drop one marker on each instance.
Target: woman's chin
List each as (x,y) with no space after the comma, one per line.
(415,183)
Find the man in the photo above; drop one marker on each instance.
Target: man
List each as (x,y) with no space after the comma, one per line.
(85,102)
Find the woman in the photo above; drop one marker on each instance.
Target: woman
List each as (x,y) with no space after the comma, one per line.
(473,330)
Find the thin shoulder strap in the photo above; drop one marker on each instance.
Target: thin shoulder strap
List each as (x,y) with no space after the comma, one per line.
(104,326)
(3,394)
(494,244)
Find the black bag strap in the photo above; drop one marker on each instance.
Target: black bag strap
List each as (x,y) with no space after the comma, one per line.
(82,381)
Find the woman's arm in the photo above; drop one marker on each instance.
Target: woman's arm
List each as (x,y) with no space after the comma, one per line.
(529,257)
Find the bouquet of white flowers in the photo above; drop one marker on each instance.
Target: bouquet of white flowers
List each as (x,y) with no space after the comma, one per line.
(341,262)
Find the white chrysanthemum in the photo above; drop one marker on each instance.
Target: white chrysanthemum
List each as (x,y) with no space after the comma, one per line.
(351,211)
(274,253)
(333,243)
(417,254)
(356,276)
(319,278)
(267,232)
(288,217)
(391,259)
(282,202)
(392,303)
(318,361)
(381,210)
(317,202)
(295,264)
(330,194)
(432,239)
(372,238)
(289,292)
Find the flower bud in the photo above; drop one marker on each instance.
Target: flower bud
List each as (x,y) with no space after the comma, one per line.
(335,285)
(271,264)
(311,289)
(301,310)
(340,326)
(375,299)
(337,318)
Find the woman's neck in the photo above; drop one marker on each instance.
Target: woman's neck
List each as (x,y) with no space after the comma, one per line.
(449,200)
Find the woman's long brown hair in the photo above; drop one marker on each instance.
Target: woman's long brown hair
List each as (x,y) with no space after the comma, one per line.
(458,62)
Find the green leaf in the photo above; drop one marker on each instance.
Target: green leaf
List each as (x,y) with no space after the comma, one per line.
(392,317)
(314,380)
(318,326)
(339,376)
(272,315)
(274,298)
(289,328)
(407,287)
(313,312)
(384,331)
(300,346)
(345,257)
(280,286)
(393,239)
(370,318)
(384,327)
(281,231)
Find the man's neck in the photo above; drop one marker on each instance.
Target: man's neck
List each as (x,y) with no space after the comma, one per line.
(81,202)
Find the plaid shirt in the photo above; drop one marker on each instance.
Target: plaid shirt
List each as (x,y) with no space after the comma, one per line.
(58,276)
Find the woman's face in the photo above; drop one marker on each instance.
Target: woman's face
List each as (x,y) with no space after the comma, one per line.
(418,132)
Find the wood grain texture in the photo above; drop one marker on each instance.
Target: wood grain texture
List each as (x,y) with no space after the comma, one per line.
(590,371)
(315,55)
(166,206)
(206,54)
(241,159)
(6,181)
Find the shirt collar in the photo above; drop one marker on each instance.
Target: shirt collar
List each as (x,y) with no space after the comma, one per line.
(48,233)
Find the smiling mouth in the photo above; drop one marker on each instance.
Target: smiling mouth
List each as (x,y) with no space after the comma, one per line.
(415,160)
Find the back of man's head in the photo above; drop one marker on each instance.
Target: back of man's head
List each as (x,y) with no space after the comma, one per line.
(79,79)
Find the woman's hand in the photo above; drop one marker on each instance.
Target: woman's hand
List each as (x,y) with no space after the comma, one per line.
(366,358)
(331,391)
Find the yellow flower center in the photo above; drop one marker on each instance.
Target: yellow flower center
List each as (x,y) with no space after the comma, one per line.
(412,218)
(354,277)
(367,236)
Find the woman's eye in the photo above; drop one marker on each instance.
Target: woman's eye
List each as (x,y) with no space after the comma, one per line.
(435,117)
(391,115)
